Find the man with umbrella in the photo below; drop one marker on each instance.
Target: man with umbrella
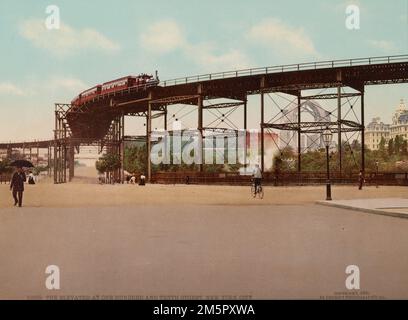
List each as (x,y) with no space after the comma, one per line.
(17,181)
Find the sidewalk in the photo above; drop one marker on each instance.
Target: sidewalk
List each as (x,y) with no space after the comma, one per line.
(394,207)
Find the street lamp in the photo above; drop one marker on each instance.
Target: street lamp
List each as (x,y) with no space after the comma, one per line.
(327,136)
(377,165)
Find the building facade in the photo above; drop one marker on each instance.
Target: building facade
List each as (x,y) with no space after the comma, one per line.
(375,132)
(399,126)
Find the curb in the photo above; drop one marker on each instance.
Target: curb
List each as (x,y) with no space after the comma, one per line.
(371,211)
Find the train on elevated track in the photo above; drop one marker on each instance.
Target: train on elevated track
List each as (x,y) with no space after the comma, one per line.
(141,81)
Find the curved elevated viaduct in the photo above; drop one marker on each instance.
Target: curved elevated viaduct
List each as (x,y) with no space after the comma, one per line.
(101,121)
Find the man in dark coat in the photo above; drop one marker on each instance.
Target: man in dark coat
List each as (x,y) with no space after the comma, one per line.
(361,180)
(17,186)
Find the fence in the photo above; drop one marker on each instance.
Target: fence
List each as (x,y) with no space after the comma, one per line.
(287,68)
(5,178)
(280,179)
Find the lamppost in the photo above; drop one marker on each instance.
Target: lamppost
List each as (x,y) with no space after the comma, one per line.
(377,164)
(327,136)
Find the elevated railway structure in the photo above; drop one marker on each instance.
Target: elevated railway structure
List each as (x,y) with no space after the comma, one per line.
(100,121)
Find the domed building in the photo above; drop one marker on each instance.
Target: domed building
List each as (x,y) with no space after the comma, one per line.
(399,126)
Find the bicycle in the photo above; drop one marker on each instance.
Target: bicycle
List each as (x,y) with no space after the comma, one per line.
(257,190)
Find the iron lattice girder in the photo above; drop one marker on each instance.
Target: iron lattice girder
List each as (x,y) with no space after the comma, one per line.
(317,127)
(331,96)
(195,133)
(296,88)
(376,62)
(223,130)
(85,141)
(138,114)
(327,74)
(33,144)
(158,115)
(175,99)
(63,108)
(223,105)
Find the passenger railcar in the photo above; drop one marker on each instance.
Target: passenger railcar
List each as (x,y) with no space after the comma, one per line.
(141,81)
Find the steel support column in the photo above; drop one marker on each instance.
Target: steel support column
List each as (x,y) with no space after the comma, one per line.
(200,126)
(339,142)
(149,141)
(165,118)
(362,131)
(245,130)
(262,131)
(71,162)
(65,152)
(49,160)
(299,133)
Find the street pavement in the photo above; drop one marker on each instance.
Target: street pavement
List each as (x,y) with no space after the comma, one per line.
(205,251)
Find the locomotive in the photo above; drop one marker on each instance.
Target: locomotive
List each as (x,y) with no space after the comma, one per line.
(140,81)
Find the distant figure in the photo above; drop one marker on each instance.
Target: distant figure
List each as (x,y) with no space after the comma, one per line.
(128,177)
(257,175)
(133,179)
(142,181)
(17,186)
(361,180)
(101,178)
(31,179)
(187,179)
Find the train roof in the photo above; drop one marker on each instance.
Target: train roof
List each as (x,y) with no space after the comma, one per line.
(127,77)
(94,87)
(119,79)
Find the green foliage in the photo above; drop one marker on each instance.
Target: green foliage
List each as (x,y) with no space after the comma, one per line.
(285,161)
(391,159)
(108,163)
(135,159)
(5,167)
(391,147)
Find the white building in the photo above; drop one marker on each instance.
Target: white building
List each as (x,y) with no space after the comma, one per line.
(374,132)
(399,126)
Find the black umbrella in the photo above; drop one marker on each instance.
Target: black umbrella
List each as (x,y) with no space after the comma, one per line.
(21,164)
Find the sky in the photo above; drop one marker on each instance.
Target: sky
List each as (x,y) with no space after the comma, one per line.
(101,40)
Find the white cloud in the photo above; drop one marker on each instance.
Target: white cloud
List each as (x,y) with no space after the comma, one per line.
(384,45)
(204,55)
(163,37)
(60,85)
(280,37)
(167,36)
(67,84)
(66,40)
(10,89)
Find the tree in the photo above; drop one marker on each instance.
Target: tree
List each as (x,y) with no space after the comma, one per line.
(381,146)
(5,167)
(404,148)
(397,144)
(135,159)
(108,163)
(285,161)
(391,147)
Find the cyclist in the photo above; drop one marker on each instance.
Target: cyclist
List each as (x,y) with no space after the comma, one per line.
(257,175)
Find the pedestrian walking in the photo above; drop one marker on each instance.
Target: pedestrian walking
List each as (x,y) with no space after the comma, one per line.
(17,186)
(361,180)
